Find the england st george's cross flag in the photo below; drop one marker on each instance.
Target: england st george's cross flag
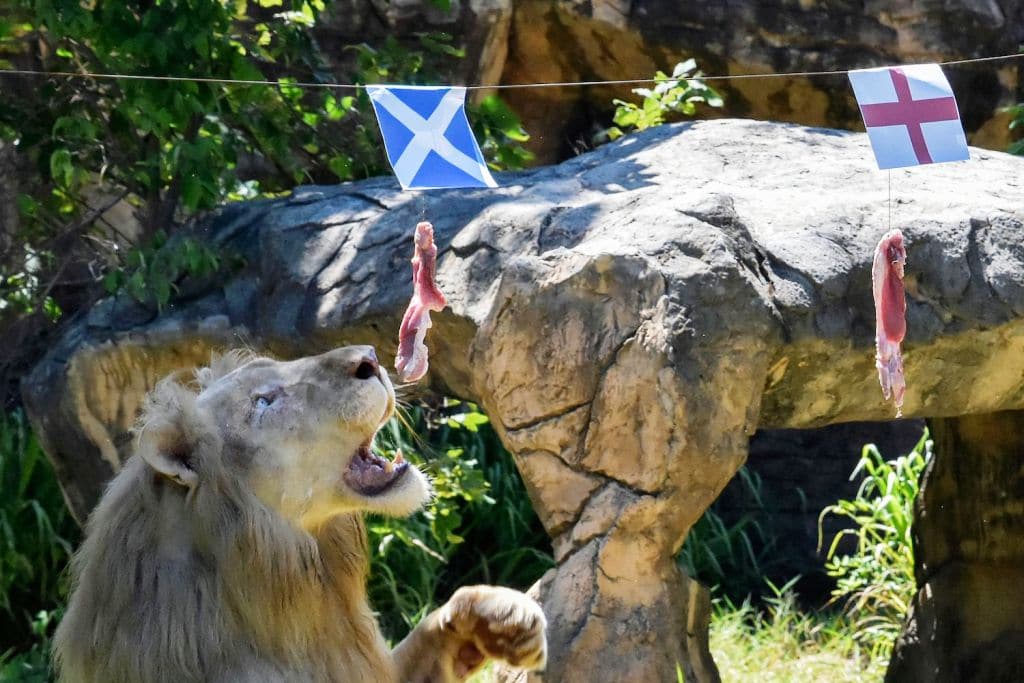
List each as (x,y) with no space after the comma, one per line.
(910,115)
(427,137)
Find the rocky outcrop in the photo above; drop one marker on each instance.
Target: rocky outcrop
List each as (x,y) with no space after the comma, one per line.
(964,625)
(627,318)
(527,41)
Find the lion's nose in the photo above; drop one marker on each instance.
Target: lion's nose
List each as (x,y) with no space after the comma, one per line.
(367,367)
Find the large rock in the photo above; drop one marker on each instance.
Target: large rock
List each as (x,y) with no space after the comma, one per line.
(964,625)
(567,40)
(627,318)
(527,41)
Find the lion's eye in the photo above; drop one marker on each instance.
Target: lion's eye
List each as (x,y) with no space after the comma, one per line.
(262,402)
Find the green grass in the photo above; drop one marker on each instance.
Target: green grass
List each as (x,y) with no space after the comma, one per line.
(733,559)
(875,582)
(481,528)
(781,643)
(37,535)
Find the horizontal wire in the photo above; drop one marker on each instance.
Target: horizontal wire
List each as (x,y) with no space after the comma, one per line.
(503,86)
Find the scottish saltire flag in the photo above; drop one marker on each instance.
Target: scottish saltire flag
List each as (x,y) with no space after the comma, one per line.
(427,137)
(910,114)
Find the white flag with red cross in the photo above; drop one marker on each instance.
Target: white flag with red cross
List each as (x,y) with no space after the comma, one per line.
(910,115)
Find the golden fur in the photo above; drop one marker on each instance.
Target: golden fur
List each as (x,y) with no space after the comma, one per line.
(230,549)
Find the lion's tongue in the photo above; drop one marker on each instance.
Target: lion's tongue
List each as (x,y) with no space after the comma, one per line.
(370,474)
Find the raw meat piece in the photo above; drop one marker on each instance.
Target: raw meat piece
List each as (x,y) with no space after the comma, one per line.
(890,315)
(411,361)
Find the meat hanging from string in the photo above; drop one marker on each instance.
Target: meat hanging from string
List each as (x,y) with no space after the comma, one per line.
(412,358)
(890,315)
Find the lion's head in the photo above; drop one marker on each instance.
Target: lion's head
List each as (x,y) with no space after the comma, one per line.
(298,433)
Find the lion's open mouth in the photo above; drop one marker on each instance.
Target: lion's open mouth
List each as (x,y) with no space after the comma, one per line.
(371,475)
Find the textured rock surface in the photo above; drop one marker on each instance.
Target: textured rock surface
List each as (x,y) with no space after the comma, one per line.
(622,39)
(965,623)
(627,318)
(524,41)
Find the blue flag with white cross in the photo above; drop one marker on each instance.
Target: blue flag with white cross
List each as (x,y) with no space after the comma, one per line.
(427,137)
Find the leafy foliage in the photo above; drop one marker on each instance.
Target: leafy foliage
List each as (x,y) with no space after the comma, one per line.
(679,93)
(152,272)
(35,664)
(876,580)
(178,144)
(36,538)
(732,558)
(18,295)
(500,133)
(480,527)
(1016,113)
(169,150)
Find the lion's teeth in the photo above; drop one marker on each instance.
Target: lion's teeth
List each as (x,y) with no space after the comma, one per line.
(399,458)
(388,466)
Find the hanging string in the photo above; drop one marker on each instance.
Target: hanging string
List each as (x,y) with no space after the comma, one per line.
(889,172)
(503,86)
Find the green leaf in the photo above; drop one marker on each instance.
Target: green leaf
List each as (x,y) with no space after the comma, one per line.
(162,291)
(684,68)
(341,166)
(136,286)
(244,70)
(333,108)
(112,281)
(51,309)
(27,206)
(440,43)
(61,170)
(627,116)
(191,191)
(288,91)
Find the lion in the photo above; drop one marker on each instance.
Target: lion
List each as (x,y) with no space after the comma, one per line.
(231,548)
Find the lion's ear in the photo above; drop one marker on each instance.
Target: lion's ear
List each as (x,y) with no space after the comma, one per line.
(169,433)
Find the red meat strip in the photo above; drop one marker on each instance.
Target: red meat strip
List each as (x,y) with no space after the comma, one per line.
(890,315)
(411,361)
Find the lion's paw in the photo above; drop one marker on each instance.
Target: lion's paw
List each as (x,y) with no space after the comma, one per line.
(491,622)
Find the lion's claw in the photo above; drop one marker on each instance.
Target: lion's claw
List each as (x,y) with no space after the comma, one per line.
(490,622)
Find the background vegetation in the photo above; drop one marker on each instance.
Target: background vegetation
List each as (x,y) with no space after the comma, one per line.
(171,151)
(168,151)
(37,535)
(481,528)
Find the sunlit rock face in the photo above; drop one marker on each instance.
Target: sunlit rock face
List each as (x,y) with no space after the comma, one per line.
(529,41)
(628,319)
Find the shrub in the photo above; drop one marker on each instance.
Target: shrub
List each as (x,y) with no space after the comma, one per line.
(169,150)
(479,528)
(876,581)
(35,664)
(1016,113)
(678,94)
(36,538)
